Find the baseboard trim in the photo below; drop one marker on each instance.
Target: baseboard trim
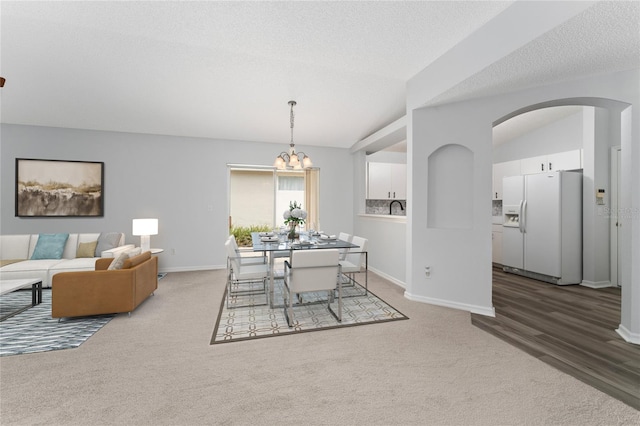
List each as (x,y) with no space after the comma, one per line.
(474,309)
(627,335)
(596,284)
(388,277)
(193,268)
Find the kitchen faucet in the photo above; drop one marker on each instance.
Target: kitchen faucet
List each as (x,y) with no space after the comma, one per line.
(395,201)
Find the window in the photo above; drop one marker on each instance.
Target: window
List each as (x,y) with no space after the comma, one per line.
(259,195)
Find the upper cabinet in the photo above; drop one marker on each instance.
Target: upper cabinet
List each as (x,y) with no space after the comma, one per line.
(386,181)
(503,170)
(570,160)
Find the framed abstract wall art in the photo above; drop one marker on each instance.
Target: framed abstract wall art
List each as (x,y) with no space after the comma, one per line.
(57,188)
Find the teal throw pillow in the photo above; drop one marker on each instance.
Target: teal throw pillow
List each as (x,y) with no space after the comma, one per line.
(50,246)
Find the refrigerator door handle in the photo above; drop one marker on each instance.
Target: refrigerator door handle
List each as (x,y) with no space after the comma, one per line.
(520,218)
(523,217)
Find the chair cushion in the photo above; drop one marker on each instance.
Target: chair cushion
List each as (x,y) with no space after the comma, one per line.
(50,246)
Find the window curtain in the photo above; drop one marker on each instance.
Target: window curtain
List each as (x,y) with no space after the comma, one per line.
(312,198)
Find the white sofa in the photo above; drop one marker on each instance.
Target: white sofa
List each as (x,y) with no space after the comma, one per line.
(16,252)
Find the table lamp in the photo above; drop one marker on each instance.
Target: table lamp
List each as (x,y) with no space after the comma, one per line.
(145,228)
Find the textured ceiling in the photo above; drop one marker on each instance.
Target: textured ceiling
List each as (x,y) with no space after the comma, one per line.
(226,70)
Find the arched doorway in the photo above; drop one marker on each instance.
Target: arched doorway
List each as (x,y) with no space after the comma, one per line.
(606,124)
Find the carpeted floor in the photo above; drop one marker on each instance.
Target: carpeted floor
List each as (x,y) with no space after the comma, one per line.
(158,368)
(250,317)
(33,330)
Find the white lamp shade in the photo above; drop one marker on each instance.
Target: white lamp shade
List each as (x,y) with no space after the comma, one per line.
(279,163)
(145,227)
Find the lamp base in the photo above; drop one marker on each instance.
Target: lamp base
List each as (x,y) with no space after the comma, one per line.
(145,243)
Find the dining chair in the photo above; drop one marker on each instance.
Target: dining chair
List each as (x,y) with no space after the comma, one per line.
(312,271)
(243,275)
(246,256)
(344,237)
(356,261)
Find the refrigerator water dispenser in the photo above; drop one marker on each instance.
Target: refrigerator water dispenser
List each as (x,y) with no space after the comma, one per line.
(511,216)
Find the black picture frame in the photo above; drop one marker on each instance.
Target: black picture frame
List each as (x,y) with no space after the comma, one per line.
(59,188)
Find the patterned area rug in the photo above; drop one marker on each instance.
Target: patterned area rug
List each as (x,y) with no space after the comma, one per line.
(250,317)
(33,330)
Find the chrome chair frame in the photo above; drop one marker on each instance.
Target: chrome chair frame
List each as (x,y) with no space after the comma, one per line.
(245,270)
(353,267)
(292,288)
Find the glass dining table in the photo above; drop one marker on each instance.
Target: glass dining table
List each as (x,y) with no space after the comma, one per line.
(275,244)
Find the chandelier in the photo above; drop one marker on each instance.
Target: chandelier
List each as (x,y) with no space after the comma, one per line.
(292,159)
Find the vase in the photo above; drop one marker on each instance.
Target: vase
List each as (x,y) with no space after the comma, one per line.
(293,234)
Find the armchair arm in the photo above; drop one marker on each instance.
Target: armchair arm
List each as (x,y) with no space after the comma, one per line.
(102,264)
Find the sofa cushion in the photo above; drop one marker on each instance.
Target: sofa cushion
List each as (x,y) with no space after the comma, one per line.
(4,262)
(118,262)
(107,241)
(49,246)
(72,265)
(86,249)
(14,246)
(29,269)
(136,260)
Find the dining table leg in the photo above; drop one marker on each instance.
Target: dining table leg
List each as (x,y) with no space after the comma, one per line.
(271,279)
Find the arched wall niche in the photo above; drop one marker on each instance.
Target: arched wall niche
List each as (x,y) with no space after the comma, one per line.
(450,188)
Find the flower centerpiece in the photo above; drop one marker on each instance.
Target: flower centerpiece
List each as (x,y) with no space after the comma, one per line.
(293,217)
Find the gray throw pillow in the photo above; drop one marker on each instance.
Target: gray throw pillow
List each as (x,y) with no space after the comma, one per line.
(107,241)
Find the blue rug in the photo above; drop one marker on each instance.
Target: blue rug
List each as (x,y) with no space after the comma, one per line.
(34,330)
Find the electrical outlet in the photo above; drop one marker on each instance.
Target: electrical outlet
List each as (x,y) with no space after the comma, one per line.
(427,271)
(173,251)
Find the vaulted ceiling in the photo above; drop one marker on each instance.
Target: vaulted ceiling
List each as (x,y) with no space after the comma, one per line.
(226,70)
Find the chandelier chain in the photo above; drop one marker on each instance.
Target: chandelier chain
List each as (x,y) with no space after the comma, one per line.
(291,119)
(292,159)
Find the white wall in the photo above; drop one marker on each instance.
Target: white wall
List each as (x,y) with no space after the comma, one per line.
(386,245)
(181,181)
(461,259)
(560,136)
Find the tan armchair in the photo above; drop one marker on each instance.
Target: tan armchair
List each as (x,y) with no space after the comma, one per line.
(103,291)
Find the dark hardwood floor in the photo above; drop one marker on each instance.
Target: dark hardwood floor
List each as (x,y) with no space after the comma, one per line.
(570,327)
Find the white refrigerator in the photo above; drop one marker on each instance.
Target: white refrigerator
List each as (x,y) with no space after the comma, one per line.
(542,229)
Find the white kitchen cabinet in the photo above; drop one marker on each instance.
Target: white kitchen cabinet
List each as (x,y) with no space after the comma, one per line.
(500,171)
(386,181)
(496,244)
(532,165)
(568,160)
